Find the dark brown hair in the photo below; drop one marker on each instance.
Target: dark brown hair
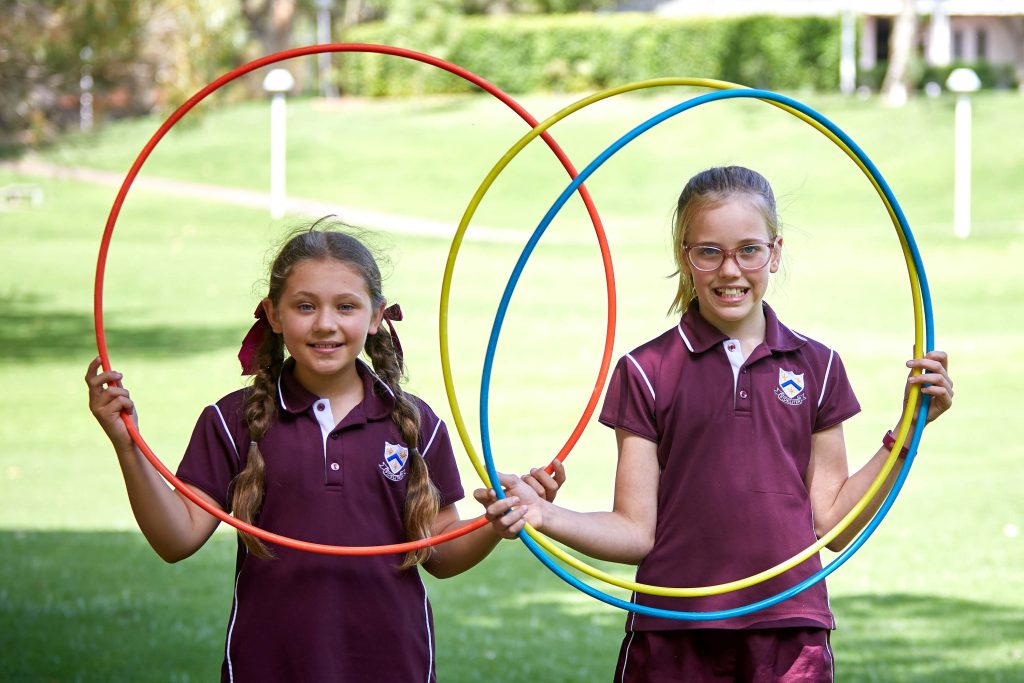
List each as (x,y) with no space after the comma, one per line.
(322,242)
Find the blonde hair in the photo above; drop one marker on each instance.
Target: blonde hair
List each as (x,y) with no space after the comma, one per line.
(422,501)
(708,189)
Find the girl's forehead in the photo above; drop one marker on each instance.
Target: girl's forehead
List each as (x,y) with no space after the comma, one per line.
(734,219)
(326,276)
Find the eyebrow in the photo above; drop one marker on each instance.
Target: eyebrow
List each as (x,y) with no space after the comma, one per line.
(311,295)
(742,242)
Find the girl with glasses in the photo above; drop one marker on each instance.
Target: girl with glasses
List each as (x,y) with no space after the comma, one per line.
(731,456)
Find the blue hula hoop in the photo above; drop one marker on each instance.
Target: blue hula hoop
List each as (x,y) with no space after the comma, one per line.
(531,244)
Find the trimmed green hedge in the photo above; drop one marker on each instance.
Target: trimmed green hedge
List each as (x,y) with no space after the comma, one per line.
(592,51)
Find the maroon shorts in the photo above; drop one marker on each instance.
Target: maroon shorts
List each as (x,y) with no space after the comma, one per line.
(754,656)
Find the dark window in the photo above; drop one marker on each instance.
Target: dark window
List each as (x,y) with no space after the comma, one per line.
(982,44)
(883,29)
(958,44)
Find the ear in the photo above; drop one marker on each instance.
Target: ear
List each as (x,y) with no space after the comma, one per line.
(377,318)
(272,317)
(776,255)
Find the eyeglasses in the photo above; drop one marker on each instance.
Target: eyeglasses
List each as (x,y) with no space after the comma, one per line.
(705,257)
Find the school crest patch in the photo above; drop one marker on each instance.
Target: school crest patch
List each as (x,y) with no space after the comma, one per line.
(393,465)
(791,388)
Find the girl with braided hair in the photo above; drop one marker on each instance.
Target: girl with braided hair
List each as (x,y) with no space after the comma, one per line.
(325,447)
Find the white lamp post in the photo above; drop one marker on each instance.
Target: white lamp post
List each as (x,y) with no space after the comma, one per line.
(848,59)
(963,82)
(277,82)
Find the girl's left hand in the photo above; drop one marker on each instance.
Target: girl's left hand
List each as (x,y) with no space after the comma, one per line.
(935,375)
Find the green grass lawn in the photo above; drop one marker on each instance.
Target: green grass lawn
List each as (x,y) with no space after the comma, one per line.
(936,595)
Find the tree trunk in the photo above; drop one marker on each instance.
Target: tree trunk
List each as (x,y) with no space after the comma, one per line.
(270,23)
(896,85)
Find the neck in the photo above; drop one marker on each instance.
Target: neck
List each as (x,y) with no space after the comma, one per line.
(750,330)
(342,388)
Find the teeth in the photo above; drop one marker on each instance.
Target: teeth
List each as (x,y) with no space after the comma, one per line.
(731,291)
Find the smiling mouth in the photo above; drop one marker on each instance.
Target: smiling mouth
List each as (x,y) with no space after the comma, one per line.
(326,345)
(731,292)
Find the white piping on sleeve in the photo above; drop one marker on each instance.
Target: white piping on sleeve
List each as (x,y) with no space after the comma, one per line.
(824,384)
(227,431)
(642,374)
(430,441)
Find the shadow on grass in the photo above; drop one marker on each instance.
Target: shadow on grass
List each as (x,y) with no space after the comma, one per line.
(100,606)
(32,333)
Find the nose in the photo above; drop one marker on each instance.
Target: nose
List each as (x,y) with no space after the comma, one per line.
(730,266)
(324,320)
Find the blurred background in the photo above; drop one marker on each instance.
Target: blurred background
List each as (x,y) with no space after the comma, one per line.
(929,89)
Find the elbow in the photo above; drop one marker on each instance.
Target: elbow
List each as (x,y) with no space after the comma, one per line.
(170,557)
(838,543)
(173,553)
(437,566)
(440,572)
(173,556)
(638,550)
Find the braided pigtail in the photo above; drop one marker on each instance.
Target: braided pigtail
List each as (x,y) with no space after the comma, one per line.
(260,411)
(422,500)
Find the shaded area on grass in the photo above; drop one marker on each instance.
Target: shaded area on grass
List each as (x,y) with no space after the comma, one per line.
(103,607)
(919,638)
(30,332)
(100,606)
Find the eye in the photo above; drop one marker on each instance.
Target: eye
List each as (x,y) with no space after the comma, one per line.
(346,308)
(708,252)
(751,249)
(305,308)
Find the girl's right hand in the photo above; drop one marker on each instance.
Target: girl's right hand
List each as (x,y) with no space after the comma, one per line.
(107,401)
(521,506)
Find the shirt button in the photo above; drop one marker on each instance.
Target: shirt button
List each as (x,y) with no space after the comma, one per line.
(335,466)
(743,394)
(319,406)
(732,347)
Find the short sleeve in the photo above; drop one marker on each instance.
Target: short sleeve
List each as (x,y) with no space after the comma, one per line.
(629,401)
(837,402)
(212,458)
(440,458)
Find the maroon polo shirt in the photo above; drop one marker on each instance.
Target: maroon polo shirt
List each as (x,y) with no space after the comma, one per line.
(734,442)
(312,617)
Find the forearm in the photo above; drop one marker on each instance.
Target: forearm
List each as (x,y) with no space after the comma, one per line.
(456,556)
(852,492)
(607,535)
(170,523)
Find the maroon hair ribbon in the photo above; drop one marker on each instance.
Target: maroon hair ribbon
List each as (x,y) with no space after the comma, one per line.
(252,341)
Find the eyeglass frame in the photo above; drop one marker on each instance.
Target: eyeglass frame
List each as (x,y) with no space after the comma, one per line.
(731,253)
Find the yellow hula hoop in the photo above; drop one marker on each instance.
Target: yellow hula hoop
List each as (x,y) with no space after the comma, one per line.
(905,422)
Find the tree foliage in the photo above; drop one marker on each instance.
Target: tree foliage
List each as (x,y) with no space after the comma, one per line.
(130,55)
